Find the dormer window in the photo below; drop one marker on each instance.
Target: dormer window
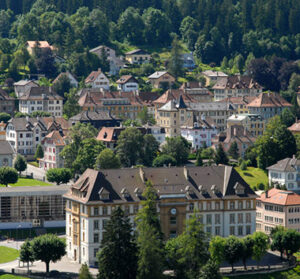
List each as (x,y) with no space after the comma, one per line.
(138,192)
(239,189)
(125,193)
(202,190)
(189,190)
(103,194)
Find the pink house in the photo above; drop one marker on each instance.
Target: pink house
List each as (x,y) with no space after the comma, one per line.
(277,208)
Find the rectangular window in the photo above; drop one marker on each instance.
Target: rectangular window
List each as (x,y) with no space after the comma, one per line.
(248,217)
(232,230)
(217,205)
(208,219)
(208,207)
(104,210)
(96,224)
(104,223)
(240,205)
(248,230)
(232,218)
(240,230)
(240,218)
(173,220)
(95,252)
(248,204)
(217,230)
(217,219)
(96,238)
(232,205)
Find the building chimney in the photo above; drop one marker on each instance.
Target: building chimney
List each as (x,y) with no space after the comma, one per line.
(142,174)
(186,173)
(267,194)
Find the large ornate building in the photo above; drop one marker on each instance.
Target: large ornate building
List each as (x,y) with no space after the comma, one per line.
(223,200)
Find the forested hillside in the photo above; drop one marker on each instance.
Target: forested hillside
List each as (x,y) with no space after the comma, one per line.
(213,28)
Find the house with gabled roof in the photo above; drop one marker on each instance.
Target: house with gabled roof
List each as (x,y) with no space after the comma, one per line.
(97,79)
(7,103)
(22,86)
(30,45)
(137,56)
(71,78)
(161,79)
(127,83)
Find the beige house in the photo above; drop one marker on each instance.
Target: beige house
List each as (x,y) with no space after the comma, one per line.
(213,76)
(97,79)
(224,201)
(172,116)
(277,208)
(161,79)
(137,56)
(30,45)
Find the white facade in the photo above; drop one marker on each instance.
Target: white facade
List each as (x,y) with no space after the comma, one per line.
(239,220)
(128,86)
(220,94)
(198,136)
(289,179)
(55,107)
(24,141)
(100,81)
(51,159)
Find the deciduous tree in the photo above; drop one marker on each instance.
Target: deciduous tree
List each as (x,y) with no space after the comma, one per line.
(8,175)
(59,175)
(107,159)
(20,163)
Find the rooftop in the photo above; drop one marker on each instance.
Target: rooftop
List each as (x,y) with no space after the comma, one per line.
(280,197)
(269,99)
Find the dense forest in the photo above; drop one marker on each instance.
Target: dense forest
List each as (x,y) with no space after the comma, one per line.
(217,30)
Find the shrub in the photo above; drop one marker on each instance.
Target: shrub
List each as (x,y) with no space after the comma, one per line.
(162,160)
(243,166)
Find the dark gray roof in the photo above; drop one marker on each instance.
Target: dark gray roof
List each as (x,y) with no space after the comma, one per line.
(5,148)
(40,93)
(93,115)
(196,183)
(211,106)
(287,164)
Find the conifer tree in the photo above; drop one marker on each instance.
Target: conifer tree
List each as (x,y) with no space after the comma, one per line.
(150,245)
(118,256)
(234,150)
(221,157)
(175,63)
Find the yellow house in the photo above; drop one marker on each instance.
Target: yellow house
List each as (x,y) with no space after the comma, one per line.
(161,79)
(137,56)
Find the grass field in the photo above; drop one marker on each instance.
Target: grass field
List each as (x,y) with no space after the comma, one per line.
(9,276)
(8,254)
(253,176)
(29,182)
(290,274)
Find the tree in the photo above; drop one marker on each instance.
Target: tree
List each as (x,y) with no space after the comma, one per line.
(194,251)
(87,155)
(178,148)
(199,161)
(287,117)
(164,160)
(247,250)
(221,157)
(275,144)
(118,255)
(26,253)
(144,116)
(291,242)
(130,146)
(47,248)
(84,272)
(8,175)
(71,106)
(20,163)
(175,62)
(260,245)
(216,249)
(107,160)
(149,240)
(4,117)
(233,150)
(189,29)
(232,250)
(150,149)
(62,85)
(277,239)
(44,60)
(39,153)
(59,175)
(210,271)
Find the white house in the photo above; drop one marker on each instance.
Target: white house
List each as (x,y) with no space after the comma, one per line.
(52,144)
(199,131)
(97,79)
(285,172)
(41,99)
(127,83)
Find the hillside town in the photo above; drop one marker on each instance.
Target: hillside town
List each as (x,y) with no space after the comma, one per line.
(155,152)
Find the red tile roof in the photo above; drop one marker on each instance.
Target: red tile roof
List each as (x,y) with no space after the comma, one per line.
(269,100)
(277,196)
(56,137)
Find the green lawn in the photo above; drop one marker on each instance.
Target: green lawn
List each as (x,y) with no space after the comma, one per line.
(34,163)
(29,182)
(253,176)
(9,276)
(290,274)
(8,254)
